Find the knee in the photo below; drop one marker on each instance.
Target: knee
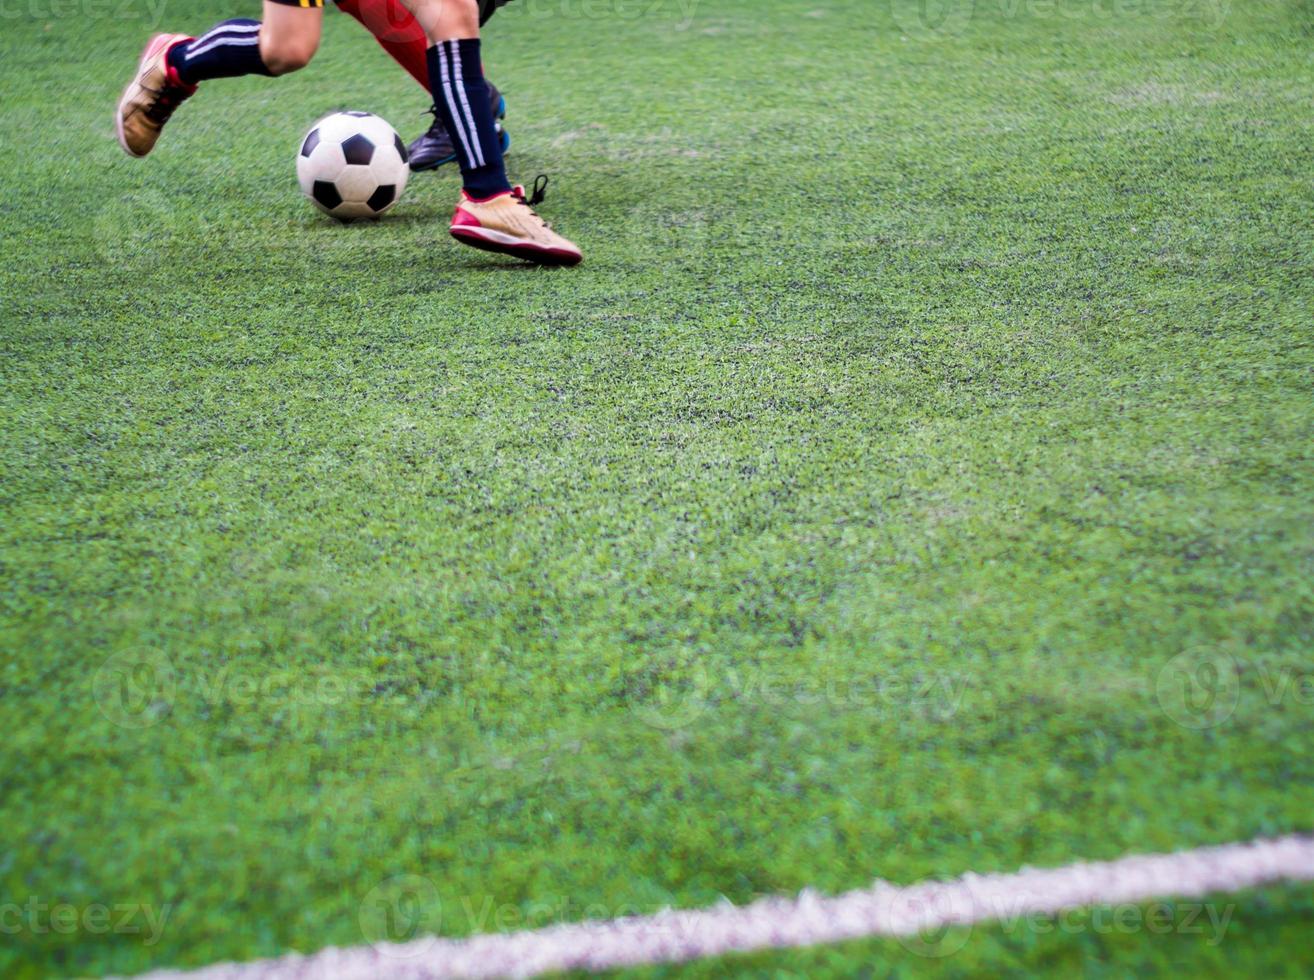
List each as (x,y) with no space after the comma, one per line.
(443,20)
(281,57)
(460,10)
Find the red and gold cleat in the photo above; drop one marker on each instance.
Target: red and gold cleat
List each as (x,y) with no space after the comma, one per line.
(507,223)
(151,97)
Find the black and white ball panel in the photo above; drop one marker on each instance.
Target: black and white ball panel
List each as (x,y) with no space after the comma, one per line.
(353,165)
(358,150)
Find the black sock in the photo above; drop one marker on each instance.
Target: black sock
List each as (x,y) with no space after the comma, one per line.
(456,76)
(224,51)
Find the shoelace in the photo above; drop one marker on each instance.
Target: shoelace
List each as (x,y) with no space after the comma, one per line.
(166,101)
(535,197)
(539,194)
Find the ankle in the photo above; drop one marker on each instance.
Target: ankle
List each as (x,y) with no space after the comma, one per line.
(484,199)
(484,187)
(172,59)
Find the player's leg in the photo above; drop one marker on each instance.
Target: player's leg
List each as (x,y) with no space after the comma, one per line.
(396,30)
(434,147)
(289,36)
(173,65)
(491,214)
(400,34)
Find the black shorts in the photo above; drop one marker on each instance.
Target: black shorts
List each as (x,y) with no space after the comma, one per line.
(486,7)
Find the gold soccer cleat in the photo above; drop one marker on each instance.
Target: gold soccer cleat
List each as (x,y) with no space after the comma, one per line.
(507,223)
(151,97)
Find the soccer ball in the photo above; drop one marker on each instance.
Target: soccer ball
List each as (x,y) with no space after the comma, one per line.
(353,165)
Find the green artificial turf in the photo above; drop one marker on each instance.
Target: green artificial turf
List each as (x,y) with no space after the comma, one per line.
(934,409)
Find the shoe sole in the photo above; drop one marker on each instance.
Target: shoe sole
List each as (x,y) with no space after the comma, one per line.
(493,241)
(146,56)
(505,138)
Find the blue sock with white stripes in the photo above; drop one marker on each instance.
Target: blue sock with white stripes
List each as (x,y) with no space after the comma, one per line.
(456,77)
(224,51)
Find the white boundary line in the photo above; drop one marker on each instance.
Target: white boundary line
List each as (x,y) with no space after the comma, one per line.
(881,910)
